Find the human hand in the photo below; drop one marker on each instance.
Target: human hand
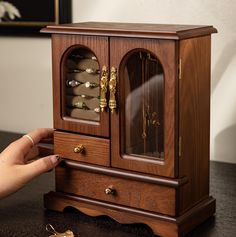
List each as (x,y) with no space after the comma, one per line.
(16,165)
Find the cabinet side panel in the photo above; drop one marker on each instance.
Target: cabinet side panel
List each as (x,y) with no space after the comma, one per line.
(194,119)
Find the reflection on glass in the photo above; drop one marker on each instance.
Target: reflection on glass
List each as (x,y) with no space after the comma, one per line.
(81,85)
(144,91)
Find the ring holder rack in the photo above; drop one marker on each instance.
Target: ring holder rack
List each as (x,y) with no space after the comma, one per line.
(82,85)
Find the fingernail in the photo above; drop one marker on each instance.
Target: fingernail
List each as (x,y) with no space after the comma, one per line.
(55,159)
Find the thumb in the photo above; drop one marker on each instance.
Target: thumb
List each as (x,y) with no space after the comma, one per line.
(40,166)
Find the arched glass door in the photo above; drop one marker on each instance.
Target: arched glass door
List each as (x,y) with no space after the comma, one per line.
(143,131)
(143,97)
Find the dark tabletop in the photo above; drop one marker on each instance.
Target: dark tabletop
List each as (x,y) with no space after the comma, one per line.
(23,215)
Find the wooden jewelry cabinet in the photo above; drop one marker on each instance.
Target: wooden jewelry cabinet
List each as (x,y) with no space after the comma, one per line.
(131,109)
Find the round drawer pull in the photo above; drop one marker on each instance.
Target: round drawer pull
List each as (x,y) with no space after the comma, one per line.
(109,190)
(79,149)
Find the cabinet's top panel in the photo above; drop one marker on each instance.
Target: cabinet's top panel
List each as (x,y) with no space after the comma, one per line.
(132,30)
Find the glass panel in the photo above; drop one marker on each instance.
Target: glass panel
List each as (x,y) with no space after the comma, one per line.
(144,103)
(82,85)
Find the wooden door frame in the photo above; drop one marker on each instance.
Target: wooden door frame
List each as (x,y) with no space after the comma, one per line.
(60,45)
(167,53)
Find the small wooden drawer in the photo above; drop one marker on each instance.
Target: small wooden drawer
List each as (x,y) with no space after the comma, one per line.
(117,190)
(82,148)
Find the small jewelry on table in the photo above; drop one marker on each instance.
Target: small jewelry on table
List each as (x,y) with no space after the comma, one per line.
(50,229)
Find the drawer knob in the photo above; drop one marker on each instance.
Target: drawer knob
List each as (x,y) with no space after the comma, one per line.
(79,149)
(109,190)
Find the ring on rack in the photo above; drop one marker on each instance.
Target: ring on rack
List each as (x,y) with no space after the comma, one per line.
(80,105)
(86,96)
(92,71)
(89,97)
(97,110)
(90,84)
(73,83)
(75,70)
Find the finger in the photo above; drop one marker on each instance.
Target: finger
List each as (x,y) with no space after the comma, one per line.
(47,140)
(34,137)
(33,153)
(38,167)
(18,149)
(41,134)
(23,174)
(13,155)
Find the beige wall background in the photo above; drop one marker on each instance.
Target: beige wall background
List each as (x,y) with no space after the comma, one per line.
(25,64)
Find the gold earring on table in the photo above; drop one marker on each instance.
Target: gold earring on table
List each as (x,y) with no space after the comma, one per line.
(50,229)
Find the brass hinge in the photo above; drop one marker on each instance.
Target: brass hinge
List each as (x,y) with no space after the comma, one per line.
(180,69)
(180,146)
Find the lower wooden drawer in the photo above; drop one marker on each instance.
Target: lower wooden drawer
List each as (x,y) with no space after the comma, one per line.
(122,191)
(95,150)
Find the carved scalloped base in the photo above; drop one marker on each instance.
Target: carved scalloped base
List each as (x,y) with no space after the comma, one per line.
(160,224)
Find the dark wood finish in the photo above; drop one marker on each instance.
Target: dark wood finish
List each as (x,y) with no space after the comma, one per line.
(96,150)
(160,224)
(165,51)
(166,226)
(61,46)
(167,182)
(147,190)
(194,113)
(27,204)
(127,192)
(160,31)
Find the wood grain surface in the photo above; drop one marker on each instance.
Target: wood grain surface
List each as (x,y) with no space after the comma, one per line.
(194,119)
(130,193)
(161,31)
(96,150)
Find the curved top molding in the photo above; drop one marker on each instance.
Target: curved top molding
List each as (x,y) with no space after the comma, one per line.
(138,30)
